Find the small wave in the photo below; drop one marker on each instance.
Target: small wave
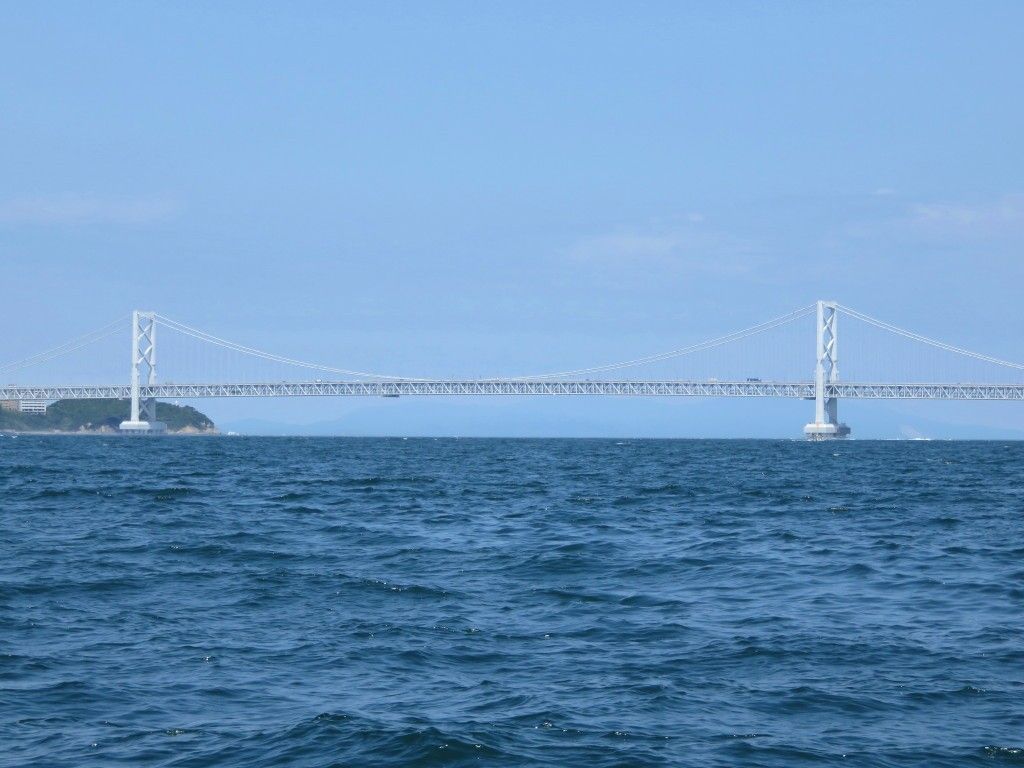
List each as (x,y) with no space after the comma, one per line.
(1006,755)
(509,603)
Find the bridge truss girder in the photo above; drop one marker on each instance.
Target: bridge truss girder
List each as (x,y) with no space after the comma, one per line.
(557,387)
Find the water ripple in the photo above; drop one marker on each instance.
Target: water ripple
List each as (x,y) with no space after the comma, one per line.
(314,602)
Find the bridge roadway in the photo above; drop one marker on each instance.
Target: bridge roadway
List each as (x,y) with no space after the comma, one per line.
(791,389)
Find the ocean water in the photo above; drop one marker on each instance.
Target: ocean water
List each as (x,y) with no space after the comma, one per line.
(359,602)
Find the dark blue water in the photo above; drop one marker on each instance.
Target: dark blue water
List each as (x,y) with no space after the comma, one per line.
(322,602)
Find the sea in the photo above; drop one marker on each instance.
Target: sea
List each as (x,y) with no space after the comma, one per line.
(258,602)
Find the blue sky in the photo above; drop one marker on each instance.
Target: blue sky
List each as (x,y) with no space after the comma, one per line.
(464,188)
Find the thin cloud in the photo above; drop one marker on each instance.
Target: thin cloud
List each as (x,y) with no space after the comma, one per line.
(1002,216)
(628,247)
(77,209)
(686,247)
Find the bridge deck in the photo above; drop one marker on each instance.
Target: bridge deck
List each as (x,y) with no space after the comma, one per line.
(786,389)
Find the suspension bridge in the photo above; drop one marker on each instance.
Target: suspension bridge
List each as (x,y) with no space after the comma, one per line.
(991,378)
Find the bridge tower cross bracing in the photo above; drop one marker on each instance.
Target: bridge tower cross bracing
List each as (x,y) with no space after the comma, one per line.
(826,371)
(143,410)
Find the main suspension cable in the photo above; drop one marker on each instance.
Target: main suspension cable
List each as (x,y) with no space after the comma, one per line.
(925,340)
(234,346)
(704,345)
(68,347)
(699,347)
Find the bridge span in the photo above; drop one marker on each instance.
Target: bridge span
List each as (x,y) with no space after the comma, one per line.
(825,387)
(804,390)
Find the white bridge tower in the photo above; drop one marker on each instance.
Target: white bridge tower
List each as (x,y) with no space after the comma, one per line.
(143,415)
(826,371)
